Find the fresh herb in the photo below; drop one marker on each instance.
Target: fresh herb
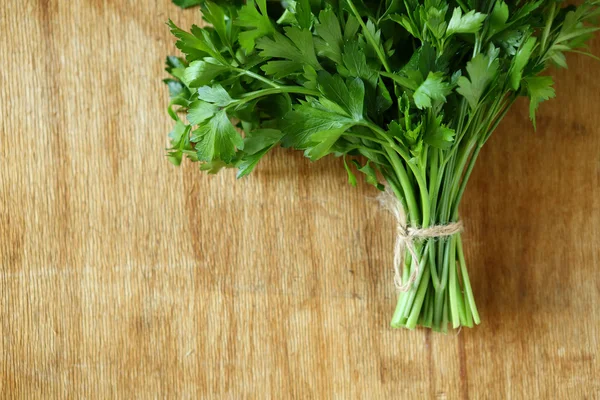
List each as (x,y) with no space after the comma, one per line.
(404,90)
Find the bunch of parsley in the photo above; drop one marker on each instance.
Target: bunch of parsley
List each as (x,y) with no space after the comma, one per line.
(405,90)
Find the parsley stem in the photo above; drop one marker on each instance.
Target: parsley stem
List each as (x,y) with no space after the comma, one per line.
(426,208)
(411,202)
(268,92)
(462,5)
(393,150)
(465,179)
(453,283)
(372,139)
(466,282)
(256,76)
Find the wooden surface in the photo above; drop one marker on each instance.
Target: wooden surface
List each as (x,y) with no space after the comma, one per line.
(124,277)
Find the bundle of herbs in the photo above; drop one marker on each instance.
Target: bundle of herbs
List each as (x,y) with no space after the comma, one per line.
(408,91)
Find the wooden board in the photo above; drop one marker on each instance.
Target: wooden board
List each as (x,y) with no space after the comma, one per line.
(124,277)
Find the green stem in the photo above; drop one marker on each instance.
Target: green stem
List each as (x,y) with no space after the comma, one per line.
(411,202)
(372,139)
(433,187)
(465,179)
(256,76)
(423,280)
(408,299)
(453,284)
(426,208)
(268,92)
(466,282)
(463,158)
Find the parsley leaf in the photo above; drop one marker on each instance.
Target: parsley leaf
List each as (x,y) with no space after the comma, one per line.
(467,23)
(297,47)
(539,89)
(432,89)
(349,97)
(299,125)
(201,73)
(482,71)
(217,139)
(258,22)
(216,95)
(329,30)
(519,63)
(199,111)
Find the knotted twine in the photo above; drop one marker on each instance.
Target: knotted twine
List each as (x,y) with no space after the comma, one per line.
(407,236)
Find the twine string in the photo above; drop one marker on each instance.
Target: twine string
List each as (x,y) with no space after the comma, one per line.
(407,236)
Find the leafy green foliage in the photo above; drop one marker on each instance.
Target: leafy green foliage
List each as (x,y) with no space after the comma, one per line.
(404,91)
(360,78)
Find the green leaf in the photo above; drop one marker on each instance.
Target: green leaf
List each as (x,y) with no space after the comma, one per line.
(407,79)
(539,89)
(434,88)
(559,59)
(178,133)
(213,167)
(329,30)
(350,98)
(217,139)
(298,47)
(354,60)
(437,135)
(199,111)
(436,21)
(370,174)
(323,141)
(482,70)
(176,88)
(351,176)
(468,23)
(299,125)
(260,139)
(249,162)
(303,14)
(174,63)
(407,23)
(384,99)
(374,47)
(256,144)
(195,45)
(520,62)
(215,15)
(216,95)
(280,69)
(498,17)
(179,139)
(351,29)
(201,73)
(256,20)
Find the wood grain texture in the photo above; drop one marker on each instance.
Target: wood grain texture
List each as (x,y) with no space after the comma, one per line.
(124,277)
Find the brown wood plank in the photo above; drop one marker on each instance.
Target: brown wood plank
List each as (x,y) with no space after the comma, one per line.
(123,276)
